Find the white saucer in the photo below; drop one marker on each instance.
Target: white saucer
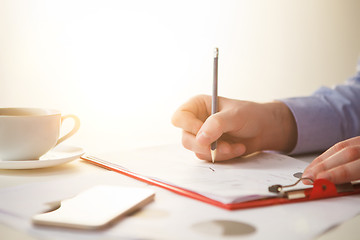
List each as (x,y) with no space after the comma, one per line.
(56,156)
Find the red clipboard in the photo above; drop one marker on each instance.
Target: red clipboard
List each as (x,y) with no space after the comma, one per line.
(321,189)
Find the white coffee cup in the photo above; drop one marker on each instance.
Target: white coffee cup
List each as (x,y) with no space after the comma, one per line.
(29,133)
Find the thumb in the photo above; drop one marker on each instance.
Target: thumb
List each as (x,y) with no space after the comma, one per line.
(211,130)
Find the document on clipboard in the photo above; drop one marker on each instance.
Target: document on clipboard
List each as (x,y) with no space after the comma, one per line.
(234,184)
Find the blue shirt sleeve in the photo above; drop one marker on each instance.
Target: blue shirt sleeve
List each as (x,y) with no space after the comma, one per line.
(328,116)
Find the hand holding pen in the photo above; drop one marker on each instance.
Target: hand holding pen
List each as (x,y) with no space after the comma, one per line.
(238,127)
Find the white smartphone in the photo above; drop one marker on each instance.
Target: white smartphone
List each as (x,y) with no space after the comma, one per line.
(96,207)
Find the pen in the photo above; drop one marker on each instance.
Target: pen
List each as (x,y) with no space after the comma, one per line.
(214,103)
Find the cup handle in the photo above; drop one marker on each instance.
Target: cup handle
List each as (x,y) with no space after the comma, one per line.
(73,131)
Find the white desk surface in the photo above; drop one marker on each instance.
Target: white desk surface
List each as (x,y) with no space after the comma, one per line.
(172,216)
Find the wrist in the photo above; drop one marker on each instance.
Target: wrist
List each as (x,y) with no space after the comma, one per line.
(282,129)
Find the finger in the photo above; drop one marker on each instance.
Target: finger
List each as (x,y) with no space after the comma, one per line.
(201,156)
(339,158)
(343,173)
(251,145)
(191,115)
(186,121)
(334,149)
(224,151)
(189,142)
(307,182)
(320,158)
(215,126)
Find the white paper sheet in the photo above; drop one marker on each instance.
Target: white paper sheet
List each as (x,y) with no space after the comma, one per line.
(236,180)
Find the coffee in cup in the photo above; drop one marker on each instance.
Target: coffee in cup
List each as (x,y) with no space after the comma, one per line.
(29,133)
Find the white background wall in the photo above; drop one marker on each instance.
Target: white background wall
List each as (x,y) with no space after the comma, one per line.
(124,66)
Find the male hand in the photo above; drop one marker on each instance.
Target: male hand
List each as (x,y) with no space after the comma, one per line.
(339,164)
(240,127)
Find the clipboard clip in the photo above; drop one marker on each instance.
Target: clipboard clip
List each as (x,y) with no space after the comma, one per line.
(322,188)
(278,188)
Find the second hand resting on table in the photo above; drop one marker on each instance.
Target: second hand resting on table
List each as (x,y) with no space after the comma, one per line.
(243,127)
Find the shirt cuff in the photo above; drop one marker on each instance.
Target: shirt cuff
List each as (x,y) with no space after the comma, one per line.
(317,124)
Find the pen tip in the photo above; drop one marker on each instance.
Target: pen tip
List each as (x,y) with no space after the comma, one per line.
(213,155)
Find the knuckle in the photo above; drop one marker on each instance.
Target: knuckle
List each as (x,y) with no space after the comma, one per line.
(321,166)
(200,98)
(353,152)
(340,145)
(216,121)
(342,174)
(318,160)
